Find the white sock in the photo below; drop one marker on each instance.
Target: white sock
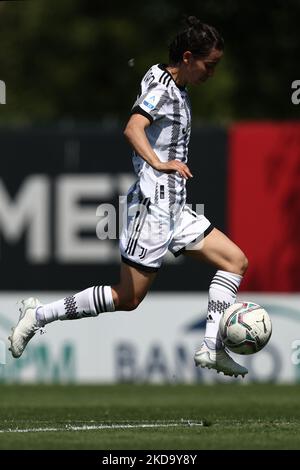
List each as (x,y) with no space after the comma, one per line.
(222,293)
(88,303)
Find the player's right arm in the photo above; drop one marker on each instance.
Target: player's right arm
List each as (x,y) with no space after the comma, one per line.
(136,136)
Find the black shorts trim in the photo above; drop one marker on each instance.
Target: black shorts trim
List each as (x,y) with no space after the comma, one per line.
(139,110)
(141,267)
(206,232)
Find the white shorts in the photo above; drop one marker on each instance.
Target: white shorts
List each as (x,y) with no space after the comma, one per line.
(150,232)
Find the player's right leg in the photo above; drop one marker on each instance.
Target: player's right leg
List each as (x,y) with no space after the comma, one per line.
(231,262)
(195,237)
(126,295)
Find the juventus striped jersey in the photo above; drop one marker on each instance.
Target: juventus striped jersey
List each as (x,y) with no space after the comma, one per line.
(167,106)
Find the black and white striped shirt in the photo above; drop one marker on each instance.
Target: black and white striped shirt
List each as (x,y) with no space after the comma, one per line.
(167,106)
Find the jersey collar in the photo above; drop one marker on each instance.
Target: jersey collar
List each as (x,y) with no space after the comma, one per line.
(164,68)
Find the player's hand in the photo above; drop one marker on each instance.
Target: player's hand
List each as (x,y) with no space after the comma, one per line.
(172,166)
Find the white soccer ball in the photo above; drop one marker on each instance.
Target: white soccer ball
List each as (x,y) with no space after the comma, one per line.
(245,328)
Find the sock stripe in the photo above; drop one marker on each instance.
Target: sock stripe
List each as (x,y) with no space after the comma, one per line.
(225,279)
(223,285)
(220,283)
(96,300)
(103,297)
(100,299)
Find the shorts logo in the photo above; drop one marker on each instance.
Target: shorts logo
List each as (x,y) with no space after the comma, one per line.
(143,253)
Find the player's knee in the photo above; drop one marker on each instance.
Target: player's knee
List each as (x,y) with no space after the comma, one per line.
(245,264)
(236,264)
(240,264)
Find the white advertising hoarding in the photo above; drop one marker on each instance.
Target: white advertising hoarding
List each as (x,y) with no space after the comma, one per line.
(154,343)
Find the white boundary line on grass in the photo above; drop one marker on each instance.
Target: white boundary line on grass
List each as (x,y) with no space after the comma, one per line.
(98,427)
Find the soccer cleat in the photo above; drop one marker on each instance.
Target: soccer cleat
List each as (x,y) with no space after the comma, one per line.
(218,360)
(26,327)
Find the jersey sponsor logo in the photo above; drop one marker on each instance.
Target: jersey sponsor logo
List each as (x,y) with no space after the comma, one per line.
(151,102)
(149,105)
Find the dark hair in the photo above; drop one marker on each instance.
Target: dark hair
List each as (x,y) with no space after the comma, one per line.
(197,37)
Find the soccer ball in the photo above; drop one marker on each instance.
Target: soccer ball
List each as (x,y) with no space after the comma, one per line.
(245,328)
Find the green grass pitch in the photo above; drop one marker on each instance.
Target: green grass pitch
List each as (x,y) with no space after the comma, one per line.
(150,417)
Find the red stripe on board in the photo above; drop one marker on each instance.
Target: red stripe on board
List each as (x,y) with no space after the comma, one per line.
(264,202)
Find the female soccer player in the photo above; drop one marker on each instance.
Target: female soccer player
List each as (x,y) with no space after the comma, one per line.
(158,217)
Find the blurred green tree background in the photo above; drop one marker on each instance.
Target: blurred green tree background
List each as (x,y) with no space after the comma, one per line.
(82,60)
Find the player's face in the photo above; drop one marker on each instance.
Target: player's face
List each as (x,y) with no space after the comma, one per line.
(198,70)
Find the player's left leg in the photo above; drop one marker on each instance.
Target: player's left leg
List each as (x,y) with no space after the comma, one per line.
(220,251)
(126,295)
